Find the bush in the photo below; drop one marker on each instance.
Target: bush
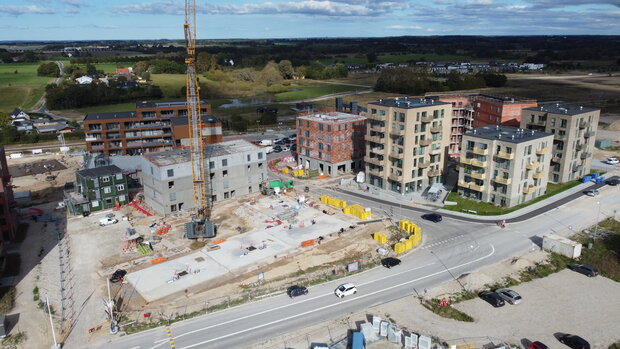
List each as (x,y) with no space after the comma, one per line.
(7,299)
(48,69)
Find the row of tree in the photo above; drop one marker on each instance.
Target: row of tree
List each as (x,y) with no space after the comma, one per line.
(79,96)
(48,69)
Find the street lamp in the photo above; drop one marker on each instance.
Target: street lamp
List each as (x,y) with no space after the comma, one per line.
(598,214)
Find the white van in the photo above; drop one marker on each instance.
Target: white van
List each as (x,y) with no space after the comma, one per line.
(107,221)
(266,142)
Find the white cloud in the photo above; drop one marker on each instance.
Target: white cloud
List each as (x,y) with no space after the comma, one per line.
(74,3)
(405,27)
(167,7)
(72,10)
(24,10)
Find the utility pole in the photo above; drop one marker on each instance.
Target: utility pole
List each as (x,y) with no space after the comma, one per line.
(110,305)
(49,312)
(448,270)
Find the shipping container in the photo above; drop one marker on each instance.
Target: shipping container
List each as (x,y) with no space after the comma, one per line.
(561,245)
(357,341)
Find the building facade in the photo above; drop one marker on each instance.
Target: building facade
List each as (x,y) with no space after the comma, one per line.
(573,128)
(97,189)
(504,165)
(406,143)
(505,111)
(462,119)
(235,168)
(154,126)
(8,206)
(332,143)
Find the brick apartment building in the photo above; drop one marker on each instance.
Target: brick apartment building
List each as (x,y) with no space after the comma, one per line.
(573,128)
(154,126)
(8,211)
(331,142)
(505,111)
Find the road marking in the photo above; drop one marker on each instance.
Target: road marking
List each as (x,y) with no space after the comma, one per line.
(138,347)
(161,341)
(170,339)
(331,305)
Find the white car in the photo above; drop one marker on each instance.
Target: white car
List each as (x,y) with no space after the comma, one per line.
(107,221)
(613,161)
(345,290)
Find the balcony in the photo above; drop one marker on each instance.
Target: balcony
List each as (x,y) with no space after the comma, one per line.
(589,134)
(477,175)
(502,180)
(542,151)
(372,160)
(478,163)
(576,168)
(375,139)
(424,164)
(504,155)
(584,155)
(532,165)
(397,131)
(397,155)
(376,171)
(436,129)
(578,147)
(426,119)
(377,128)
(464,184)
(91,138)
(556,159)
(539,174)
(436,151)
(560,137)
(425,142)
(393,176)
(433,173)
(377,116)
(377,150)
(466,161)
(529,189)
(480,151)
(476,187)
(583,124)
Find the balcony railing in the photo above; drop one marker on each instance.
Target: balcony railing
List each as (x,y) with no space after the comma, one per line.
(478,163)
(397,155)
(504,155)
(376,171)
(576,168)
(556,159)
(560,137)
(433,173)
(425,142)
(578,147)
(436,151)
(395,177)
(397,131)
(426,119)
(584,155)
(375,139)
(377,116)
(502,180)
(423,164)
(372,160)
(480,151)
(529,189)
(589,134)
(583,124)
(476,187)
(378,128)
(477,175)
(542,151)
(466,161)
(436,129)
(539,174)
(532,165)
(377,150)
(464,184)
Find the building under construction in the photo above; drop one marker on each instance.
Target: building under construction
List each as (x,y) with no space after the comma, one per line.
(235,167)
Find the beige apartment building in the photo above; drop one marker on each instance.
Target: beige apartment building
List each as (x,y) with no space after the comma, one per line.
(406,143)
(504,165)
(573,128)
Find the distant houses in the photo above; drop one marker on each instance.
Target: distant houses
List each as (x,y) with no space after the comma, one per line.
(22,122)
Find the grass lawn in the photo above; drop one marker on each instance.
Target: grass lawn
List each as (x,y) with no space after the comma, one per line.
(170,84)
(314,91)
(487,209)
(605,249)
(108,68)
(21,96)
(26,74)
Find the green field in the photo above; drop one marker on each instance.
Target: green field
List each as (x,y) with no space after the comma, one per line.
(22,89)
(306,92)
(170,84)
(26,74)
(108,68)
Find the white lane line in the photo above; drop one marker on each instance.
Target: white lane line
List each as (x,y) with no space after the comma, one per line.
(331,305)
(162,341)
(137,347)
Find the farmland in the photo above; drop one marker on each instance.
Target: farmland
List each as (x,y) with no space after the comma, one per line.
(20,86)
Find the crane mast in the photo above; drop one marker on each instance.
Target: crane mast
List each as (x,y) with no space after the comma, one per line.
(200,180)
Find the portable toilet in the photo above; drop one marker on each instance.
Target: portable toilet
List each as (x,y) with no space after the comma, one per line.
(358,341)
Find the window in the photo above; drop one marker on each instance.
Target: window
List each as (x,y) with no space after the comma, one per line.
(224,162)
(107,190)
(249,189)
(105,179)
(320,146)
(307,134)
(329,128)
(172,196)
(373,111)
(260,156)
(260,165)
(249,157)
(301,123)
(119,176)
(170,184)
(226,184)
(320,127)
(232,193)
(563,123)
(121,198)
(173,208)
(170,173)
(120,187)
(226,195)
(94,203)
(225,173)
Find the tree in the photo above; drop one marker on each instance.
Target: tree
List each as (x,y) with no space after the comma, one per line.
(205,62)
(371,57)
(91,69)
(286,69)
(5,119)
(141,67)
(494,79)
(271,74)
(48,69)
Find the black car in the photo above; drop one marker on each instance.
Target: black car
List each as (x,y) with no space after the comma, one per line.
(277,149)
(295,291)
(492,298)
(433,217)
(614,181)
(390,262)
(574,342)
(584,269)
(118,276)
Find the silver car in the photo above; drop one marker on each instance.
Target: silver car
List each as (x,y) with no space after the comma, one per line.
(509,296)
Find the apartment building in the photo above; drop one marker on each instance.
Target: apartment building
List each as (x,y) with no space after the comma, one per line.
(504,165)
(8,206)
(97,189)
(236,168)
(462,118)
(332,143)
(573,128)
(154,126)
(506,111)
(406,143)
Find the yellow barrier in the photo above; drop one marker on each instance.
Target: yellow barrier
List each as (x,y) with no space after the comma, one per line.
(380,237)
(298,173)
(358,211)
(285,170)
(408,244)
(415,239)
(399,247)
(409,226)
(333,201)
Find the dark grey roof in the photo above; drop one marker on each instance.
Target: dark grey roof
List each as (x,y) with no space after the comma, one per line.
(146,104)
(182,120)
(100,171)
(109,116)
(566,109)
(408,102)
(506,134)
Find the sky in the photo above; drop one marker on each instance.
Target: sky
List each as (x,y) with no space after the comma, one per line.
(225,19)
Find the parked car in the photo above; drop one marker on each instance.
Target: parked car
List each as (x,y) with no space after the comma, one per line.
(613,161)
(118,276)
(584,269)
(296,290)
(293,136)
(285,148)
(287,140)
(492,298)
(345,290)
(107,221)
(277,149)
(390,262)
(509,296)
(591,192)
(613,181)
(433,217)
(537,345)
(574,342)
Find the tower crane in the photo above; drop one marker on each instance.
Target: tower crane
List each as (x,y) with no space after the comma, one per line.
(201,224)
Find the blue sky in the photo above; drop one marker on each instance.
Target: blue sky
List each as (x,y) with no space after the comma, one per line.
(221,19)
